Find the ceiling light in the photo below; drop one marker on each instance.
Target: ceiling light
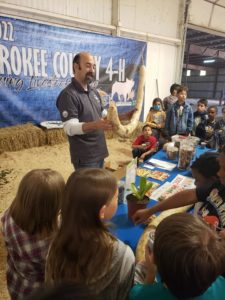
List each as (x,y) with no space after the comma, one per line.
(208,61)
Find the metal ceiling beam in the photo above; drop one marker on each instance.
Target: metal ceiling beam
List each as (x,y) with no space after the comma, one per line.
(200,59)
(205,30)
(211,41)
(215,3)
(193,33)
(197,37)
(196,67)
(220,46)
(202,64)
(204,51)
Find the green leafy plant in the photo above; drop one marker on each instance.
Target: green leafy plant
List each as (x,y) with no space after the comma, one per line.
(140,191)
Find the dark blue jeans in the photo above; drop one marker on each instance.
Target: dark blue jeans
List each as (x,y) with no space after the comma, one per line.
(88,164)
(138,153)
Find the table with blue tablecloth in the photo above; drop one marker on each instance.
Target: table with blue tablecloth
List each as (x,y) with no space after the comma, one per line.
(124,228)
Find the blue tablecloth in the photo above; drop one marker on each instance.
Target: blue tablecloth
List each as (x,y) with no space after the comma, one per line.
(124,228)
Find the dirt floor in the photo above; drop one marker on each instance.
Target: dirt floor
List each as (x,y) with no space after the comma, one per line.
(14,165)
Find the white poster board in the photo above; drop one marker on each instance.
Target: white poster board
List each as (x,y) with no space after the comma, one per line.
(131,171)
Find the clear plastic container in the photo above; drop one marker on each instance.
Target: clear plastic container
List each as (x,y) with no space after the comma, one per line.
(177,139)
(186,154)
(166,145)
(172,152)
(121,191)
(194,140)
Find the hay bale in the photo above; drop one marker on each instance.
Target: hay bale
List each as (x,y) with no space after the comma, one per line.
(15,138)
(19,137)
(55,136)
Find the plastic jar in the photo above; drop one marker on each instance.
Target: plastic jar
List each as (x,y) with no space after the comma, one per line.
(186,154)
(172,152)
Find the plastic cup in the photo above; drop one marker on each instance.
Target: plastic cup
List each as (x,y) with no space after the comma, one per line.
(203,145)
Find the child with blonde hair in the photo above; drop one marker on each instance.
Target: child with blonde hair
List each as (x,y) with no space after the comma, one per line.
(84,251)
(28,226)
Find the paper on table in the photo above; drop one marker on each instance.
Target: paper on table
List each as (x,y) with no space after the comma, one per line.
(168,189)
(152,189)
(184,181)
(160,190)
(158,175)
(148,166)
(161,164)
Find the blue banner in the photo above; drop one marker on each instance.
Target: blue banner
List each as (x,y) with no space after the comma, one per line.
(36,64)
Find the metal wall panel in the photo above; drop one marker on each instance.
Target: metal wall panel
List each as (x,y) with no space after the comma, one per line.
(91,10)
(205,14)
(160,17)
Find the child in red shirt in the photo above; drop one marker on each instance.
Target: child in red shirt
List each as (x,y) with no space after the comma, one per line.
(145,144)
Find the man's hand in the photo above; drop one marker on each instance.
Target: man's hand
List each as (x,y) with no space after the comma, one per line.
(101,124)
(104,124)
(141,216)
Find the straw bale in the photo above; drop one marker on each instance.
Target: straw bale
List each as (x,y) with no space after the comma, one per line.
(19,137)
(15,138)
(55,136)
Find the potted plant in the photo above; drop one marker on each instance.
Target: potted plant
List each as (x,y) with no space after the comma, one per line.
(138,199)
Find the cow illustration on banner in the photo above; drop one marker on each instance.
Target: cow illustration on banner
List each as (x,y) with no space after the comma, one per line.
(36,64)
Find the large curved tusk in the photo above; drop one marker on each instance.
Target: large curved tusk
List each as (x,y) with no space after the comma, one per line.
(127,130)
(140,250)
